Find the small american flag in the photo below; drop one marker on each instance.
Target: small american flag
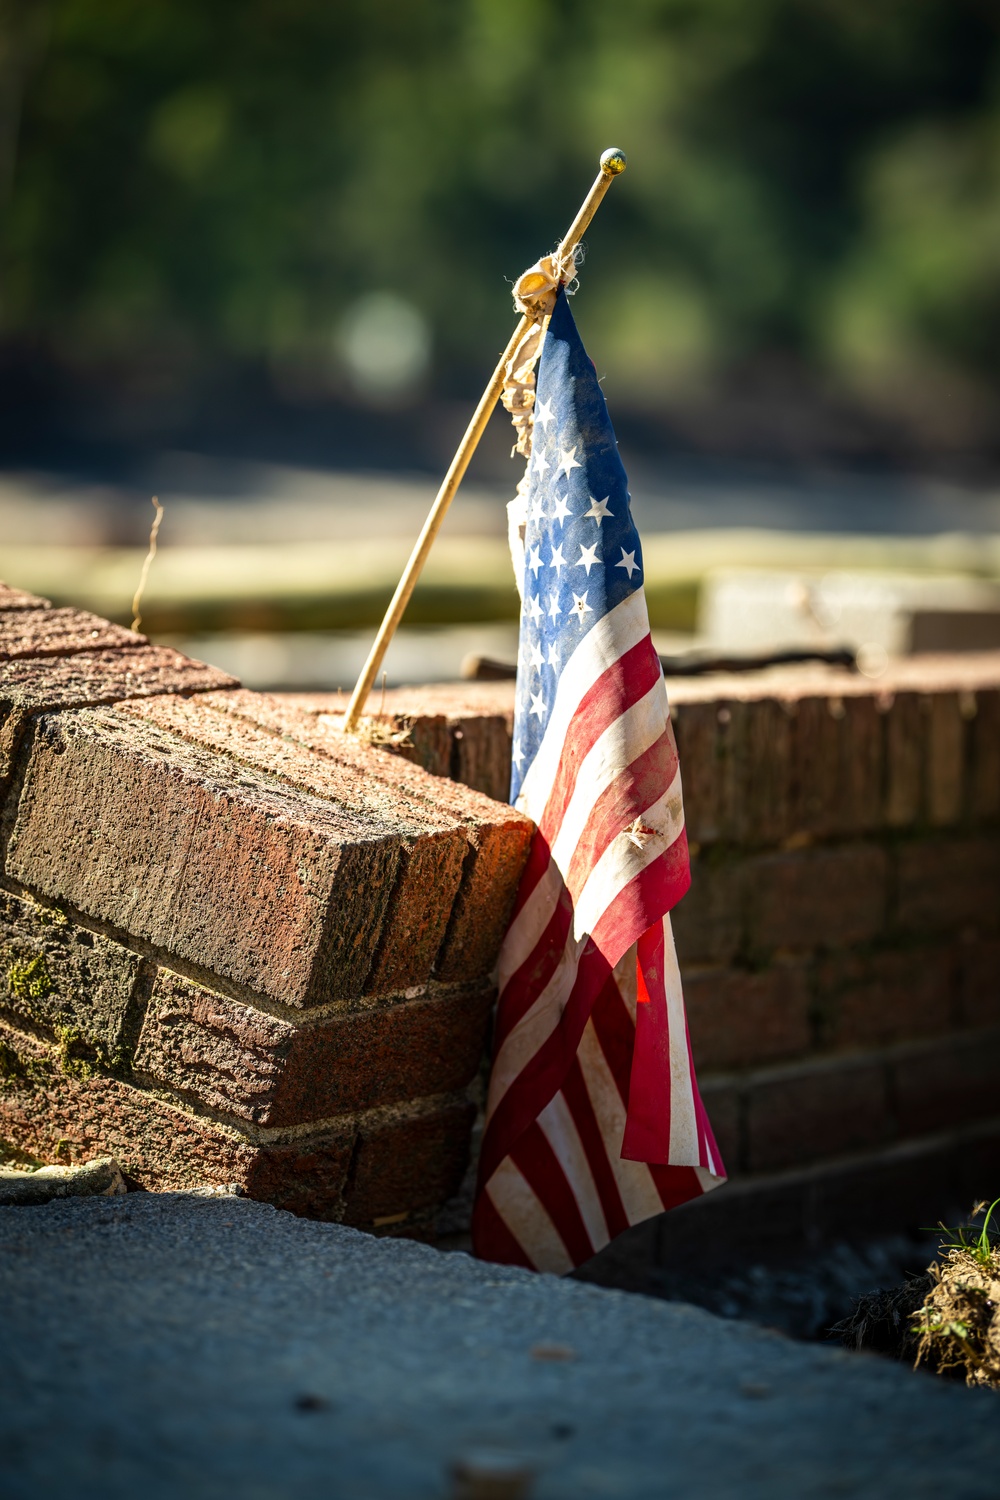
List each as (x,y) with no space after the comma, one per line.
(594,1120)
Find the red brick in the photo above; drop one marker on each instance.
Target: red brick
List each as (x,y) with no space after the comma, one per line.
(232,872)
(984,798)
(59,632)
(59,1117)
(407,1164)
(867,999)
(945,759)
(740,1019)
(433,844)
(948,1084)
(11,598)
(764,754)
(823,1109)
(816,898)
(708,922)
(498,836)
(242,1062)
(32,686)
(815,772)
(862,734)
(696,726)
(360,1171)
(904,760)
(949,884)
(980,983)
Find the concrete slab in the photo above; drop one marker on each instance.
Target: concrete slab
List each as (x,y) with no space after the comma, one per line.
(205,1346)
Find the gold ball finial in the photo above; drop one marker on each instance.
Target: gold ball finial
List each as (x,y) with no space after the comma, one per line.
(613,161)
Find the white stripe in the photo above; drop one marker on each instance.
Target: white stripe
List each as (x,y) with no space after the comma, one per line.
(535,1026)
(684,1150)
(622,861)
(525,1216)
(635,1181)
(621,628)
(624,740)
(561,1133)
(619,864)
(529,924)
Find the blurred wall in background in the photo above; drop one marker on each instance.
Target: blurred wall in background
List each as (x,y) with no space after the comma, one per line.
(291,224)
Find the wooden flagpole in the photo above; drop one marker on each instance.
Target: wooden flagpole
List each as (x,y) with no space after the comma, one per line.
(613,162)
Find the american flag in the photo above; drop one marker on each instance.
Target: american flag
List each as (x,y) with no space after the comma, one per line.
(594,1120)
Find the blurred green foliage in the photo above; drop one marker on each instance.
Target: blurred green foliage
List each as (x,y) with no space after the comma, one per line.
(195,182)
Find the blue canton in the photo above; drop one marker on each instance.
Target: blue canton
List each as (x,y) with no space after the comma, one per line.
(581,548)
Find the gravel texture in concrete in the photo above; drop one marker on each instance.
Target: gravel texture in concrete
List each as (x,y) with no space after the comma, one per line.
(207,1346)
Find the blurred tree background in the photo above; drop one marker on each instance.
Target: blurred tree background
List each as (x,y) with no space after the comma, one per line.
(325,202)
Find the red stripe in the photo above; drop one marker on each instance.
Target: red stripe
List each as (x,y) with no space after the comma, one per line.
(542,1170)
(637,905)
(647,1130)
(526,983)
(595,1148)
(675,1185)
(616,1034)
(633,790)
(620,685)
(539,859)
(493,1240)
(705,1133)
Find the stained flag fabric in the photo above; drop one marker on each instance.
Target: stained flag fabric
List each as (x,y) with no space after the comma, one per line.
(594,1121)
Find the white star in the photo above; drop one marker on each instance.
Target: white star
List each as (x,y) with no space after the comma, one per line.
(554,608)
(536,656)
(599,510)
(553,656)
(562,510)
(629,563)
(534,560)
(580,605)
(537,705)
(543,413)
(567,460)
(558,561)
(534,609)
(587,558)
(517,754)
(541,462)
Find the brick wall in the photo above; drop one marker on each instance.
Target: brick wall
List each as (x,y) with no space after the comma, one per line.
(237,947)
(841,940)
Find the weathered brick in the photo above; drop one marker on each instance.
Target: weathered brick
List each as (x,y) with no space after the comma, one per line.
(433,845)
(948,884)
(59,1116)
(904,760)
(58,975)
(361,1171)
(945,759)
(407,1164)
(235,873)
(984,789)
(498,837)
(868,999)
(819,1110)
(764,814)
(948,1084)
(816,898)
(242,1062)
(696,727)
(740,1019)
(31,686)
(708,922)
(815,771)
(862,740)
(11,598)
(980,982)
(59,632)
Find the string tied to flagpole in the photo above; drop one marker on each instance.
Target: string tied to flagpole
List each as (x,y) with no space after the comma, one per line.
(542,282)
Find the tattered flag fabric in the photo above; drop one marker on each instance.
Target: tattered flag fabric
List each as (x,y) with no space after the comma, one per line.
(594,1121)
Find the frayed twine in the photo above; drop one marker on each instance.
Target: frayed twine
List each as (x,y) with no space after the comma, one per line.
(534,297)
